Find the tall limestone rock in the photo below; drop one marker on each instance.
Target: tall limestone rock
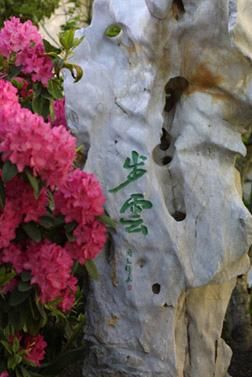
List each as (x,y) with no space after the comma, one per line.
(166,95)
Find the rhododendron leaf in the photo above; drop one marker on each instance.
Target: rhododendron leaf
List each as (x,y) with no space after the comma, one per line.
(9,171)
(15,344)
(51,203)
(70,237)
(55,88)
(17,298)
(34,182)
(18,84)
(91,269)
(33,231)
(59,220)
(77,41)
(69,227)
(50,48)
(66,39)
(58,65)
(25,276)
(40,105)
(63,360)
(5,275)
(47,222)
(13,72)
(6,345)
(107,220)
(2,194)
(24,287)
(75,70)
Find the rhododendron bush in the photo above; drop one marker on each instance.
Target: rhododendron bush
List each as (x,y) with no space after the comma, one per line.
(51,212)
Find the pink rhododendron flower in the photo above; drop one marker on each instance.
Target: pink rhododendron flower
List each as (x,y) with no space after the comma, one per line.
(69,295)
(4,374)
(8,93)
(34,348)
(59,113)
(21,195)
(9,221)
(15,256)
(27,141)
(80,198)
(50,266)
(90,239)
(24,40)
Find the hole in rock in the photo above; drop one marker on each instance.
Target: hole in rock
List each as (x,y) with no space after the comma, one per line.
(165,140)
(178,9)
(116,141)
(141,262)
(166,160)
(156,288)
(113,30)
(165,305)
(179,216)
(159,153)
(173,91)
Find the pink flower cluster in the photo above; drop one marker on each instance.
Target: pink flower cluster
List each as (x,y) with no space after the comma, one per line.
(35,347)
(4,374)
(80,199)
(27,141)
(59,113)
(51,265)
(23,42)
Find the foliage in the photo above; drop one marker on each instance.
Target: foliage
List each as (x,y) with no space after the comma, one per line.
(78,14)
(35,10)
(51,212)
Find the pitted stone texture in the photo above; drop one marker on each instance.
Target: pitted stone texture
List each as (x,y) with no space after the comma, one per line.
(199,229)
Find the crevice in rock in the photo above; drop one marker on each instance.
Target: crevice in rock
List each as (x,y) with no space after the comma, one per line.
(178,9)
(174,89)
(160,153)
(216,350)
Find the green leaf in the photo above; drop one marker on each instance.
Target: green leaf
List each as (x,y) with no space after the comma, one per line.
(17,298)
(41,105)
(77,41)
(34,182)
(24,287)
(25,372)
(108,221)
(9,171)
(55,88)
(63,360)
(2,194)
(113,30)
(69,227)
(75,70)
(91,269)
(13,72)
(6,276)
(50,48)
(47,222)
(33,231)
(25,276)
(67,39)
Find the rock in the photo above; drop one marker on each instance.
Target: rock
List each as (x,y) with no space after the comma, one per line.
(164,100)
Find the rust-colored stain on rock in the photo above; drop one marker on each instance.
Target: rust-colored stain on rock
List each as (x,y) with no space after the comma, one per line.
(203,79)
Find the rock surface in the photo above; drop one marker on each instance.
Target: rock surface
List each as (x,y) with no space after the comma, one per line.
(166,94)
